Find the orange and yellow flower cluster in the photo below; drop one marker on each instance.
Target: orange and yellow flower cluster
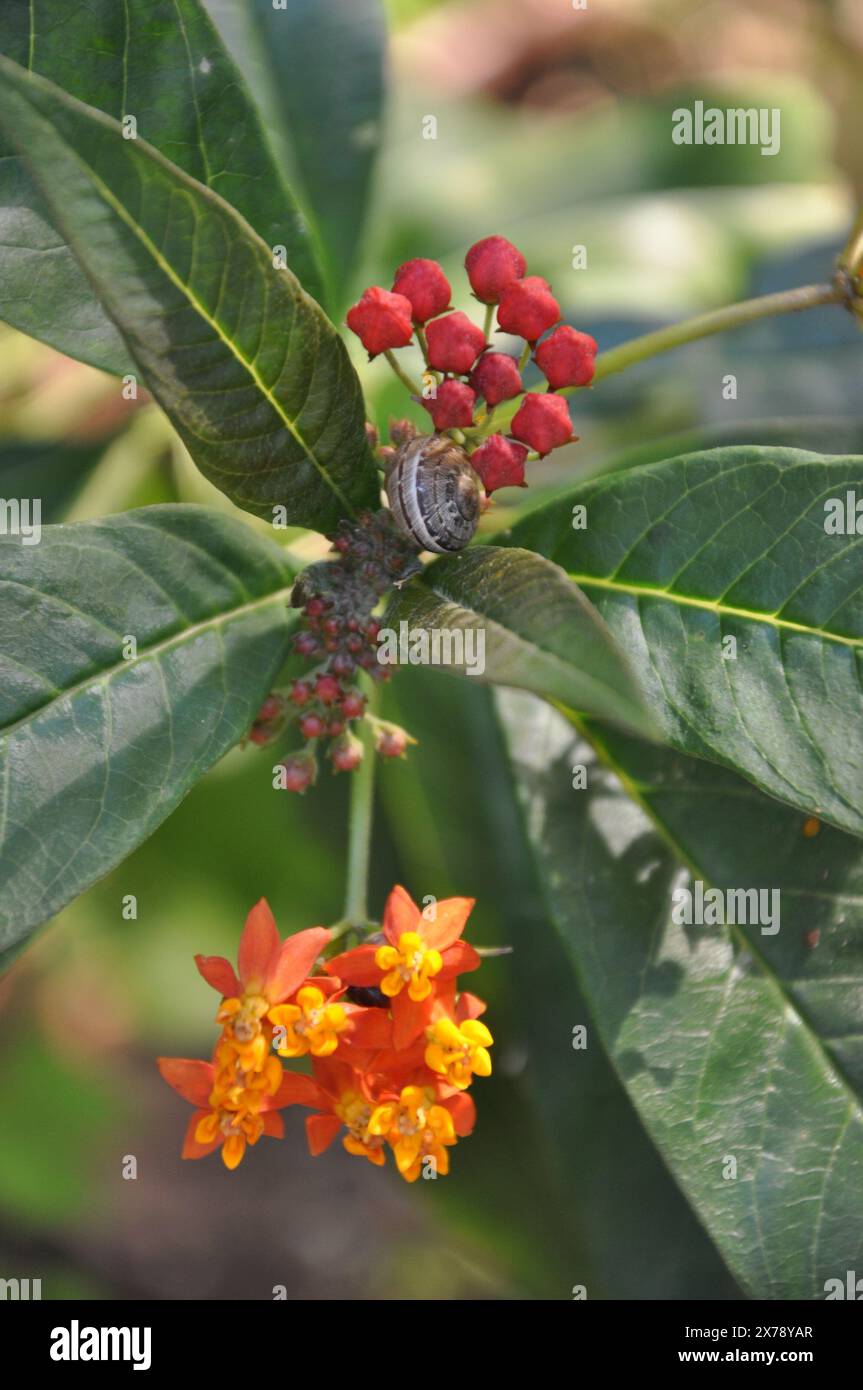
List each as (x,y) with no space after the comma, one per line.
(394,1044)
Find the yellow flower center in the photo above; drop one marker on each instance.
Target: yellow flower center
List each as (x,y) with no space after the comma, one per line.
(311,1025)
(459,1052)
(411,963)
(416,1129)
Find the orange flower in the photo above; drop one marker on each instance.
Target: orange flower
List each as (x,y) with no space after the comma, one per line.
(225,1117)
(417,957)
(270,970)
(457,1043)
(420,1125)
(339,1096)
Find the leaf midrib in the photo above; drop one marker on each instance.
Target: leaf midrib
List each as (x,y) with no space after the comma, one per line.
(753,615)
(109,673)
(206,194)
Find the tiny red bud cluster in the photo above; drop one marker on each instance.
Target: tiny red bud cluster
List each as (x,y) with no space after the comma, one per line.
(339,634)
(466,378)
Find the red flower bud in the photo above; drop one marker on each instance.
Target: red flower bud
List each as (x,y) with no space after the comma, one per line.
(425,285)
(300,772)
(528,308)
(346,753)
(270,709)
(455,342)
(499,463)
(566,357)
(452,406)
(312,725)
(543,422)
(353,704)
(401,431)
(328,689)
(306,643)
(496,378)
(391,741)
(315,607)
(301,693)
(492,265)
(381,320)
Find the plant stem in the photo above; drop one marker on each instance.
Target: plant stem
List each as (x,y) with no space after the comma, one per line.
(852,254)
(356,913)
(413,386)
(487,323)
(716,321)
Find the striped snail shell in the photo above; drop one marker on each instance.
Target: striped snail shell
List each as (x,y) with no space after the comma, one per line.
(434,493)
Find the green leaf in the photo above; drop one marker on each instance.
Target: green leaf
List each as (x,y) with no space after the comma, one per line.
(252,374)
(733,1044)
(680,556)
(97,746)
(162,62)
(45,469)
(316,68)
(529,626)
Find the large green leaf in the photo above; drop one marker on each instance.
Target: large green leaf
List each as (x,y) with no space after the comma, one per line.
(251,372)
(97,745)
(316,68)
(682,555)
(162,62)
(537,629)
(733,1044)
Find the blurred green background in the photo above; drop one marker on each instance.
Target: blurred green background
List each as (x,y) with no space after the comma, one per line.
(553,128)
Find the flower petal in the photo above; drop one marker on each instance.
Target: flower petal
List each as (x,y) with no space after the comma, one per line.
(292,965)
(259,944)
(409,1018)
(368,1027)
(469,1006)
(219,973)
(463,1111)
(401,914)
(297,1089)
(191,1078)
(191,1147)
(449,922)
(458,959)
(356,967)
(321,1130)
(274,1124)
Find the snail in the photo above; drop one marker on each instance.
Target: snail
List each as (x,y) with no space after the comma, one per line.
(434,493)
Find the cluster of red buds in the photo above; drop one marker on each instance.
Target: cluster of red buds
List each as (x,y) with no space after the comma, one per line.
(338,636)
(467,378)
(390,1071)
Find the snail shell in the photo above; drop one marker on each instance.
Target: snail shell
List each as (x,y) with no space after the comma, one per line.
(434,493)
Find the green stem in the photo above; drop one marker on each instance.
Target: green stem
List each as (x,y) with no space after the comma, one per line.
(356,913)
(414,388)
(617,359)
(487,322)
